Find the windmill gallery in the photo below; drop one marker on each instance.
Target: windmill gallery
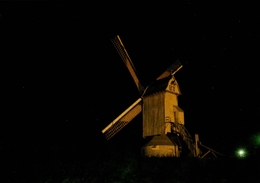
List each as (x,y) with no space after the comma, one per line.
(162,118)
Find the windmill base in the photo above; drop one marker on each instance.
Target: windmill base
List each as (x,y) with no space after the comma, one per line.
(160,146)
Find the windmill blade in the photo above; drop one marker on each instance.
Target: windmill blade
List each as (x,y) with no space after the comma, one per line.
(127,60)
(123,119)
(175,67)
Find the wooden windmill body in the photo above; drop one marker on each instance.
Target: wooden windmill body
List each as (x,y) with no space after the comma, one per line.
(160,112)
(163,119)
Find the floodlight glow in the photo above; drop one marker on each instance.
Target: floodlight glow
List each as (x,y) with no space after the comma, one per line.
(241,153)
(256,139)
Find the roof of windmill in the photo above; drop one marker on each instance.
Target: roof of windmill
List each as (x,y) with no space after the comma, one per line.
(160,140)
(158,85)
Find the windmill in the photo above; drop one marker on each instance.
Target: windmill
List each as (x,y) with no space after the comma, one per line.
(163,119)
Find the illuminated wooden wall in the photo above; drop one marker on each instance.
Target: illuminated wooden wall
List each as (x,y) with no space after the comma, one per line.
(161,108)
(161,146)
(153,114)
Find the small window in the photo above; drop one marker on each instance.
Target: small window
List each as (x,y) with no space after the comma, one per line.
(155,147)
(175,116)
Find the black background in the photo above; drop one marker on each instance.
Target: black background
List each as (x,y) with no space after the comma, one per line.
(62,80)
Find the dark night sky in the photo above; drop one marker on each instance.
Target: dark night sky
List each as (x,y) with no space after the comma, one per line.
(62,81)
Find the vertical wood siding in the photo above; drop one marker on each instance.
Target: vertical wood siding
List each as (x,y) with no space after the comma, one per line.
(153,114)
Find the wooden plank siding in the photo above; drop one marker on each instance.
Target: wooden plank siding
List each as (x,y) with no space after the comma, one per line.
(160,109)
(154,114)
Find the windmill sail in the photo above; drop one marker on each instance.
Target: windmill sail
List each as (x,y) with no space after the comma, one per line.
(123,119)
(171,70)
(127,60)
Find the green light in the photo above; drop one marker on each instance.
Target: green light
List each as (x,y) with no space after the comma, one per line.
(256,139)
(241,153)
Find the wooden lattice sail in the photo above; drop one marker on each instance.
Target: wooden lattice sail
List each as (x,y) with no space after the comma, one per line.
(123,119)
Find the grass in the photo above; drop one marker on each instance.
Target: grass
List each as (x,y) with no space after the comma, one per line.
(127,166)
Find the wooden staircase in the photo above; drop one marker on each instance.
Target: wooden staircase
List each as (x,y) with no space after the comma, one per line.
(183,132)
(192,145)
